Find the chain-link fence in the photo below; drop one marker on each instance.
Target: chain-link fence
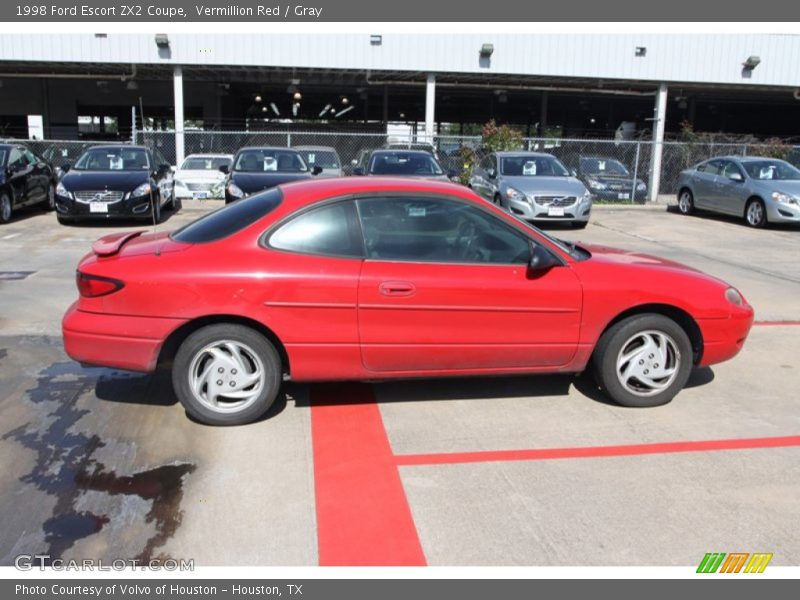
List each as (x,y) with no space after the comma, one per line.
(629,161)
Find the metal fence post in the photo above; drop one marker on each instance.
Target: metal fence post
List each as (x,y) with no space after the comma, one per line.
(133,125)
(288,140)
(635,172)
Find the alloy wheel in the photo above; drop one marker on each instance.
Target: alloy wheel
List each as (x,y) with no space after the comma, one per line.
(755,214)
(648,362)
(226,376)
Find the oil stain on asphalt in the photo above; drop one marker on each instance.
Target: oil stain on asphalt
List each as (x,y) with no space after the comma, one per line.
(66,466)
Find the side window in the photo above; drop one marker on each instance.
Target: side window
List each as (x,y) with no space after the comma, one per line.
(30,157)
(330,230)
(438,230)
(493,162)
(729,168)
(714,167)
(16,159)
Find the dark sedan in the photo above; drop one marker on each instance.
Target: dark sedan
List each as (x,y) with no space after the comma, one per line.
(258,169)
(403,163)
(25,180)
(109,182)
(609,179)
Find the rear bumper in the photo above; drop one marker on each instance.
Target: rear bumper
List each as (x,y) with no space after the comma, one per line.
(724,338)
(117,341)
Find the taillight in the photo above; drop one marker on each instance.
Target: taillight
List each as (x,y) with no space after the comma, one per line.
(92,286)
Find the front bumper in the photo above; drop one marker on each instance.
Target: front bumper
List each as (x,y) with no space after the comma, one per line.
(198,189)
(529,211)
(779,212)
(724,338)
(137,206)
(117,341)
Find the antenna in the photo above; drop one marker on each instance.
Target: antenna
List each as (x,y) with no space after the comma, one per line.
(152,201)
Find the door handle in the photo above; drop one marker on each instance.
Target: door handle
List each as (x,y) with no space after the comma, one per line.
(397,288)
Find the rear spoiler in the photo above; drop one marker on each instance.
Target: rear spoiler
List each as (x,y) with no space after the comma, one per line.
(110,244)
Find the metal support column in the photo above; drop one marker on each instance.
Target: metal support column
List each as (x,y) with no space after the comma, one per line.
(430,107)
(660,114)
(177,80)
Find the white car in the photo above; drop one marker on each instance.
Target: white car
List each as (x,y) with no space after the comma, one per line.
(200,177)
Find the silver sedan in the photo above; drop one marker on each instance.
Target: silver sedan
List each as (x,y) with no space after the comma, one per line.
(761,190)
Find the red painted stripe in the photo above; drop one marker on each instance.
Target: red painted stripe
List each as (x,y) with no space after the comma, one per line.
(363,517)
(596,451)
(776,323)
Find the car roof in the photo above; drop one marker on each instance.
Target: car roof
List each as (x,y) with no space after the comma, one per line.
(325,148)
(523,153)
(599,158)
(309,191)
(266,148)
(209,155)
(400,151)
(117,146)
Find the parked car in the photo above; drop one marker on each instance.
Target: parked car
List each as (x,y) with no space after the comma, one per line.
(761,190)
(59,154)
(360,162)
(115,182)
(25,180)
(258,169)
(403,163)
(324,157)
(534,186)
(609,179)
(423,146)
(382,278)
(200,177)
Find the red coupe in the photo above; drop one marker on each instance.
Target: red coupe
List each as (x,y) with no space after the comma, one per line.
(379,278)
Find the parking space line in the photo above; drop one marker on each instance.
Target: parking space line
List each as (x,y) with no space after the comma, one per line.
(596,451)
(363,517)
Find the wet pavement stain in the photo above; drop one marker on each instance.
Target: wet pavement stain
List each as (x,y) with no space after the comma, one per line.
(66,466)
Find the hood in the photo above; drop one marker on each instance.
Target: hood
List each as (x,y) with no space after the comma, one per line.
(118,181)
(627,257)
(251,183)
(199,175)
(546,186)
(788,186)
(621,180)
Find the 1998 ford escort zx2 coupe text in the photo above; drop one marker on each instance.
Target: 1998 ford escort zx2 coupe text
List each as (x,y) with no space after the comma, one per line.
(379,278)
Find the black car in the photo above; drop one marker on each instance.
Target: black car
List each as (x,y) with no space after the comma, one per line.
(403,163)
(109,182)
(59,154)
(609,179)
(25,180)
(258,169)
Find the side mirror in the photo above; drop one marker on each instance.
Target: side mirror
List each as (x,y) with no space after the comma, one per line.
(358,171)
(354,162)
(573,172)
(541,258)
(65,167)
(316,170)
(736,177)
(224,169)
(491,173)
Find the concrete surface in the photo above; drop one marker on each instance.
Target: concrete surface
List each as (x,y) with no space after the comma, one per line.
(100,463)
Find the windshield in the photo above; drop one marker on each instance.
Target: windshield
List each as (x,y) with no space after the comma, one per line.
(56,153)
(113,159)
(570,248)
(602,166)
(766,170)
(206,163)
(404,163)
(270,161)
(325,159)
(532,166)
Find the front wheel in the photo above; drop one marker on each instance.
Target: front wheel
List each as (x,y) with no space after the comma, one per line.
(226,374)
(755,214)
(686,202)
(5,208)
(644,360)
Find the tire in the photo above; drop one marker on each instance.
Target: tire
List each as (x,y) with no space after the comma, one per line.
(686,202)
(628,339)
(6,208)
(580,224)
(755,214)
(498,200)
(177,205)
(254,376)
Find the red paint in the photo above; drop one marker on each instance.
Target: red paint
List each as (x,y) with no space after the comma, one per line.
(363,517)
(597,451)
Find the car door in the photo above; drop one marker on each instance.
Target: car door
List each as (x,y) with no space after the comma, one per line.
(731,194)
(705,182)
(38,180)
(445,287)
(18,171)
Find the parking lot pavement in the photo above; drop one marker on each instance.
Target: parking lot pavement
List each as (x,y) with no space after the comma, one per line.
(522,470)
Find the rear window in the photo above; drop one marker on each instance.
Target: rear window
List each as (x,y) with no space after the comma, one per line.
(230,219)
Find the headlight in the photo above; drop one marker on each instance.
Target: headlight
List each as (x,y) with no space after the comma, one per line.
(513,194)
(733,296)
(587,197)
(785,198)
(62,191)
(142,190)
(234,190)
(640,187)
(597,185)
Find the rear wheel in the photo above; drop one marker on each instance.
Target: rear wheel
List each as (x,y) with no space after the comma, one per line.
(5,208)
(226,374)
(686,202)
(644,360)
(755,214)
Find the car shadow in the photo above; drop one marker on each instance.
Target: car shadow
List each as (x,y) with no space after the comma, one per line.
(713,216)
